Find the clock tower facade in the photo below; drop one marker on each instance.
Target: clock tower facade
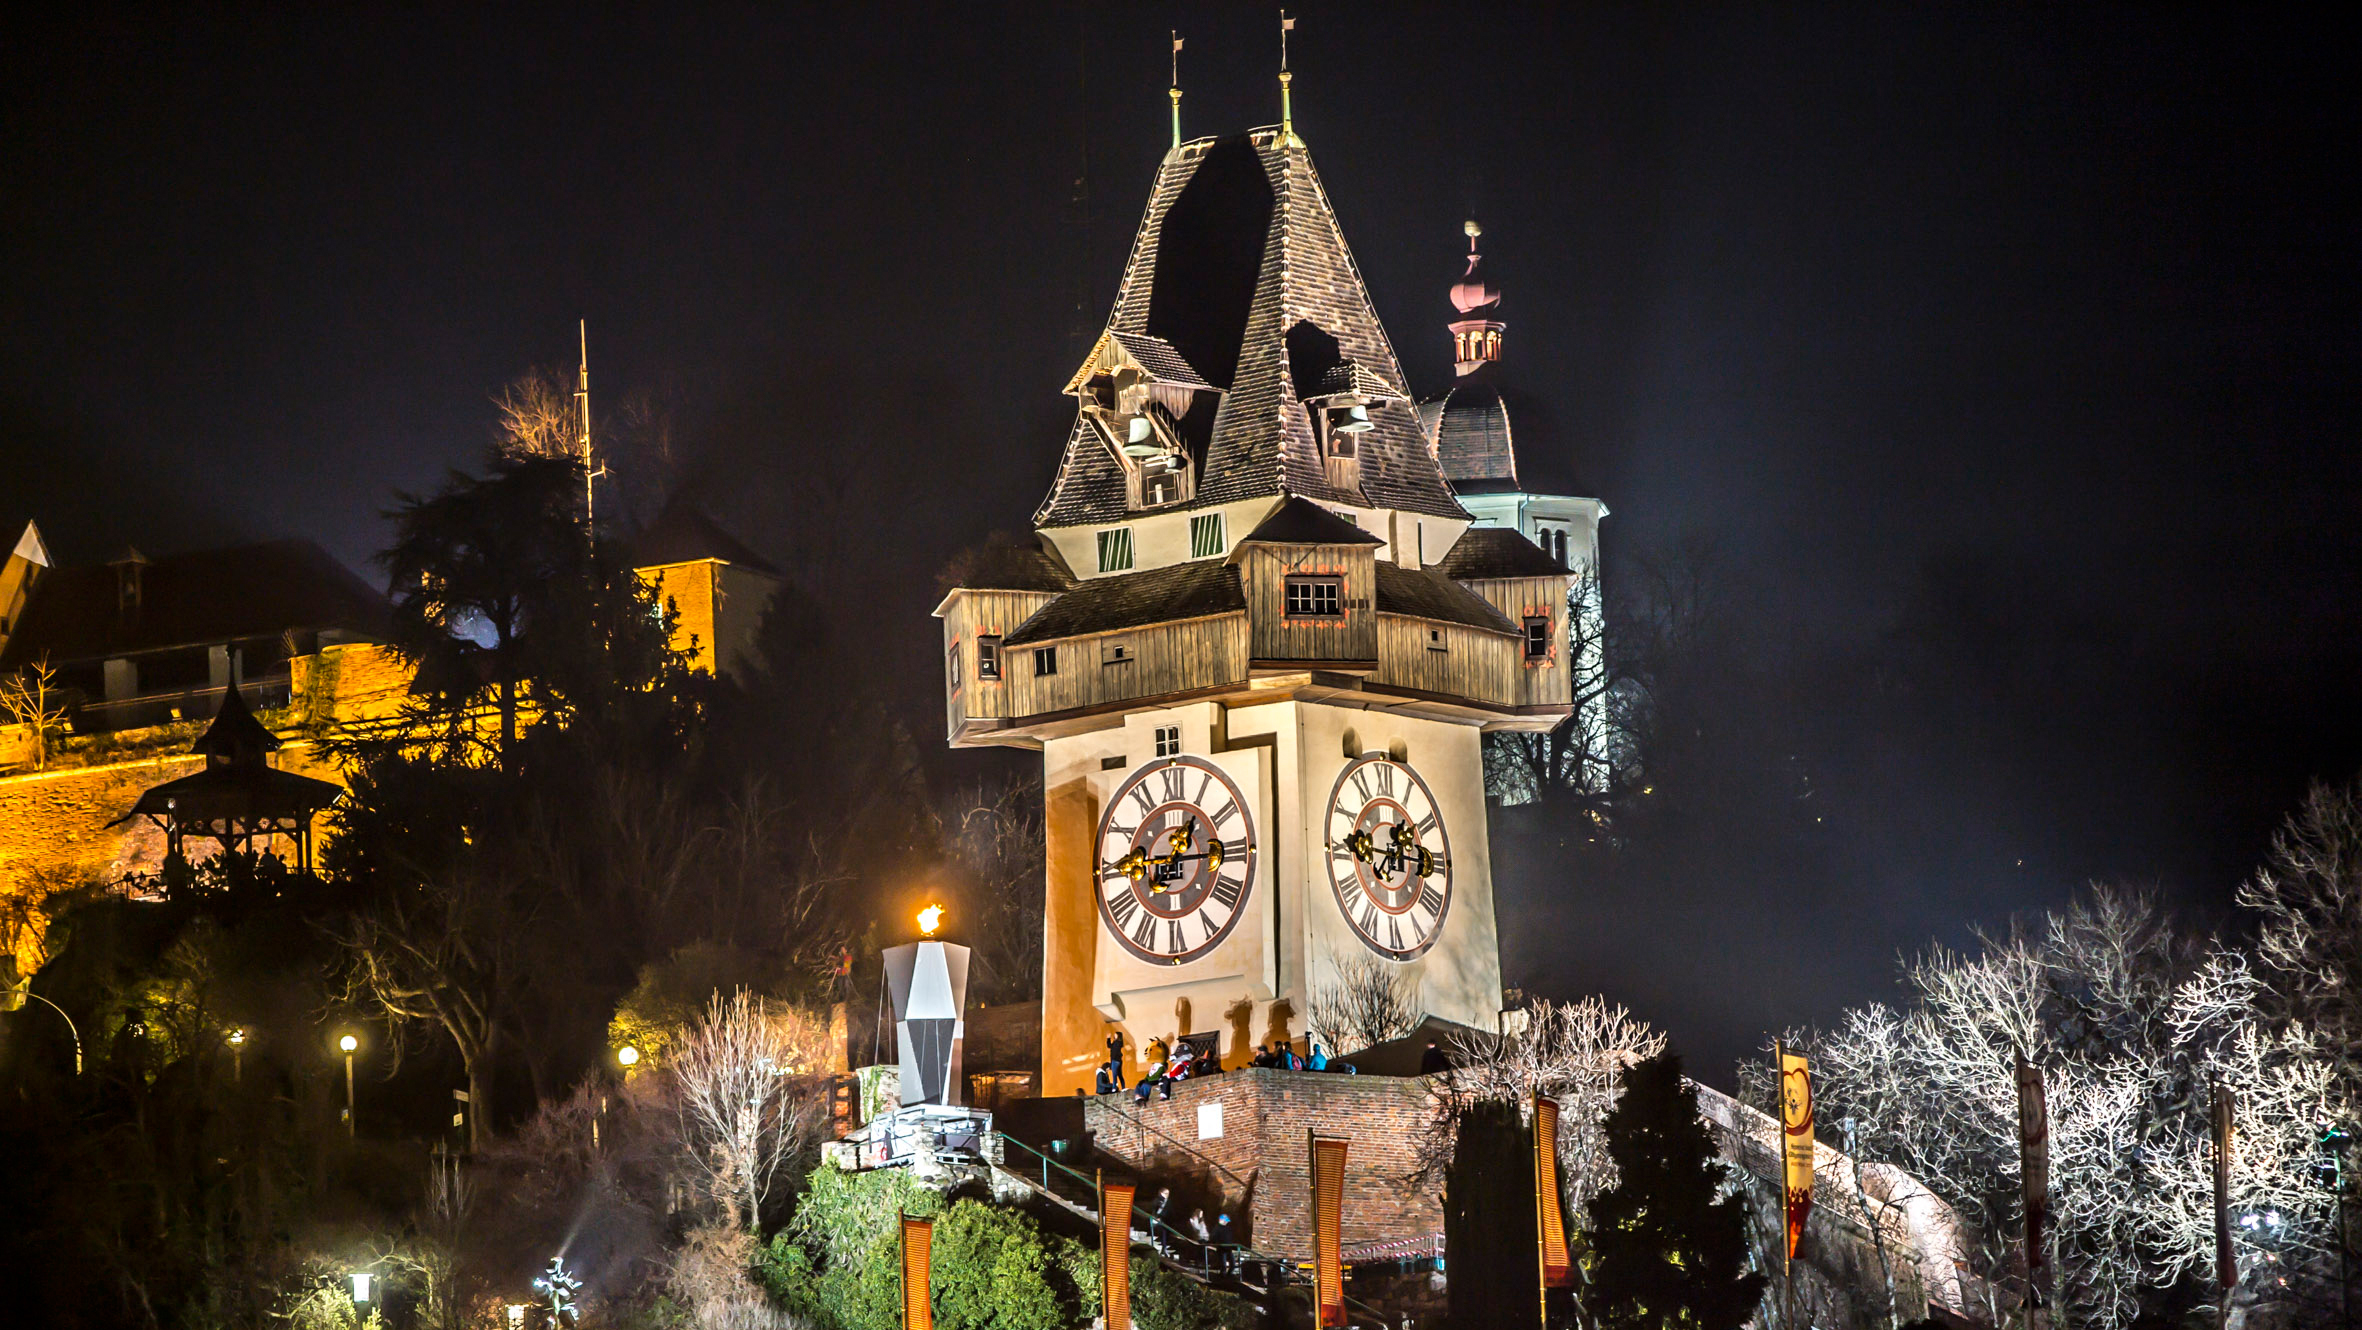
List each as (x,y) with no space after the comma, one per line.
(1257,645)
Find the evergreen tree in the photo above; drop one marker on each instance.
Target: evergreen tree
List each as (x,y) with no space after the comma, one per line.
(1664,1250)
(1488,1217)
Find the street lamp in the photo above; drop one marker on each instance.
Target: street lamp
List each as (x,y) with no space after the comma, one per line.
(516,1314)
(361,1285)
(350,1045)
(628,1057)
(237,1040)
(12,998)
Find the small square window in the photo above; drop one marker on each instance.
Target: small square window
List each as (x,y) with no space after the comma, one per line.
(1168,741)
(988,658)
(1315,597)
(1115,550)
(1045,661)
(1115,653)
(1537,637)
(1435,641)
(1205,536)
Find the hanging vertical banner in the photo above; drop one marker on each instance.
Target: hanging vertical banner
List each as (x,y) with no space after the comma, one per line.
(918,1243)
(1115,1253)
(2034,1168)
(1796,1143)
(2226,1260)
(1328,1229)
(1558,1269)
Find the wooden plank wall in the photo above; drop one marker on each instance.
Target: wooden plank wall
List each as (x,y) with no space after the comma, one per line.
(1263,570)
(1476,664)
(972,614)
(1164,658)
(1545,682)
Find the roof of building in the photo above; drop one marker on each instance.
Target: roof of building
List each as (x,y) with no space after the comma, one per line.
(1303,522)
(1239,245)
(1424,593)
(1004,565)
(682,533)
(235,735)
(208,596)
(1495,551)
(1130,600)
(1491,438)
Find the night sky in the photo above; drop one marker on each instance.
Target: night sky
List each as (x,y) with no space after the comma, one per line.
(2004,362)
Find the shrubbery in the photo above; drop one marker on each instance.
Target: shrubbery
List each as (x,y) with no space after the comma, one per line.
(838,1265)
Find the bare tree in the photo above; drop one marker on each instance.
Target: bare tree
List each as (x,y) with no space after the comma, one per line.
(539,416)
(995,834)
(31,698)
(749,1086)
(1574,1052)
(2309,947)
(441,951)
(2132,1023)
(1368,1002)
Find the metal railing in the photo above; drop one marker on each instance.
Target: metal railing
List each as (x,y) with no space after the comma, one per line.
(1177,1143)
(1240,1255)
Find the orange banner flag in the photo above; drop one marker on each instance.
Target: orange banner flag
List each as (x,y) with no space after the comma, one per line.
(1796,1148)
(1115,1253)
(918,1244)
(1328,1230)
(1558,1269)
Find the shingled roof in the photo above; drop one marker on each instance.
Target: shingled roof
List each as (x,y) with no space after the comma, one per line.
(204,597)
(1239,245)
(1424,593)
(1496,551)
(1303,522)
(1129,600)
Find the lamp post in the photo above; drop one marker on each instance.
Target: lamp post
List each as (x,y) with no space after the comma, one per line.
(237,1041)
(361,1281)
(350,1045)
(12,998)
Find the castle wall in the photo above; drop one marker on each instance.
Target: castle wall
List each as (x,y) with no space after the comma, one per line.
(1259,1168)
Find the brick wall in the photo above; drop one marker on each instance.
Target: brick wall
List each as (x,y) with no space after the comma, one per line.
(1260,1167)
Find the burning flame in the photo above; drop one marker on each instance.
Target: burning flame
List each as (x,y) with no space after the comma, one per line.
(930,919)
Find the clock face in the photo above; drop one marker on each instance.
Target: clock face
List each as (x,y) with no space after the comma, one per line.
(1390,857)
(1176,860)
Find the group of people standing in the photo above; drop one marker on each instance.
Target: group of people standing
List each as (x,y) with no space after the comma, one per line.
(1165,1069)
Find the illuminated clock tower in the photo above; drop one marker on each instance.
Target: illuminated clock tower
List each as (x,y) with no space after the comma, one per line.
(1257,645)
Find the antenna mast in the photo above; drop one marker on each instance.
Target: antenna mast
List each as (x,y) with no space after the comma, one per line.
(582,442)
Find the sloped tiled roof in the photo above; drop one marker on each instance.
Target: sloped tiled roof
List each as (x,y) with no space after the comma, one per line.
(1254,200)
(188,599)
(1157,356)
(1129,600)
(1497,551)
(1490,439)
(999,566)
(1303,522)
(1424,593)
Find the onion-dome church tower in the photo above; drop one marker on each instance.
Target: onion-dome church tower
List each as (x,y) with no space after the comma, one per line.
(1510,473)
(1258,692)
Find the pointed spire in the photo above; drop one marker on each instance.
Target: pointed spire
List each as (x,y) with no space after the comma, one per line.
(1176,89)
(1287,113)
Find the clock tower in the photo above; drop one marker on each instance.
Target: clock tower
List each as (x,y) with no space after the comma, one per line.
(1257,645)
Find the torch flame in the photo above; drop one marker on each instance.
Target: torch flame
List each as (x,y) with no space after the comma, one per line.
(930,919)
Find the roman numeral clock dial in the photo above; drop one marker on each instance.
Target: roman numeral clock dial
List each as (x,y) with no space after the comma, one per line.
(1176,860)
(1389,857)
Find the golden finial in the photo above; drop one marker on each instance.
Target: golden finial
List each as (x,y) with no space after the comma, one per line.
(1176,89)
(1287,115)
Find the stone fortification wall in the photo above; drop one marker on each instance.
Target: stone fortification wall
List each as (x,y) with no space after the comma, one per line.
(1259,1168)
